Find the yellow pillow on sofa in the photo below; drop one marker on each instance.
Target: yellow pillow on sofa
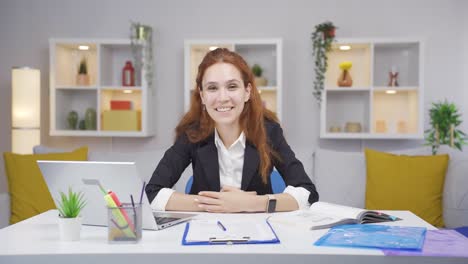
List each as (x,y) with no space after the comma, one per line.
(413,183)
(29,194)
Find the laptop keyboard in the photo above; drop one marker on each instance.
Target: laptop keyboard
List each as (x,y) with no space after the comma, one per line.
(164,220)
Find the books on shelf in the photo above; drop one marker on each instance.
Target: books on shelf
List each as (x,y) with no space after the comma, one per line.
(322,215)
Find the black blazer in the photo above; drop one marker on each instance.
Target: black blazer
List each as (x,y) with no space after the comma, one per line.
(204,158)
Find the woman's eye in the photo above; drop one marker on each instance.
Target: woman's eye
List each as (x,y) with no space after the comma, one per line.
(232,87)
(212,88)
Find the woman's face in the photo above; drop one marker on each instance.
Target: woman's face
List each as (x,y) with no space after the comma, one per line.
(224,94)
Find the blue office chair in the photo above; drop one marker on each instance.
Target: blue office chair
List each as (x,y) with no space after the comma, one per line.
(277,183)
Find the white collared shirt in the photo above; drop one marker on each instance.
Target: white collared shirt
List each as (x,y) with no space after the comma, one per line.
(231,164)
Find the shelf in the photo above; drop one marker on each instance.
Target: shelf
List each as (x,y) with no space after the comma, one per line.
(404,57)
(66,60)
(106,59)
(395,113)
(383,111)
(359,55)
(344,108)
(113,58)
(68,100)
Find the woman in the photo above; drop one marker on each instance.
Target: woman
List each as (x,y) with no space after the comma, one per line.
(233,142)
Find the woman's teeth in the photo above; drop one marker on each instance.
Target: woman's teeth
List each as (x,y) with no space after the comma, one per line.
(223,109)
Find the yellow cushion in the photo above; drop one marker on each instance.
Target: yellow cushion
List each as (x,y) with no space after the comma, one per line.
(413,183)
(29,194)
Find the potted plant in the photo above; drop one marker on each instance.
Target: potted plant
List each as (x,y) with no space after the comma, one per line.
(444,122)
(69,207)
(322,38)
(257,72)
(82,78)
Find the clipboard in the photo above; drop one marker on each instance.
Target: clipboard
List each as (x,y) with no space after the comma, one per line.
(229,238)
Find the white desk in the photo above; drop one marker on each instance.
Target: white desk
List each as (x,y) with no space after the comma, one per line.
(36,240)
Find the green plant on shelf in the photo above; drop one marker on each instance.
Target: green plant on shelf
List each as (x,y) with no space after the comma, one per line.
(71,204)
(83,68)
(445,120)
(322,38)
(257,70)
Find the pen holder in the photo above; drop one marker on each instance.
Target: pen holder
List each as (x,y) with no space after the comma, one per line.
(124,223)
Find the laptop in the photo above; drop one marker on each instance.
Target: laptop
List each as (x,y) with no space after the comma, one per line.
(120,177)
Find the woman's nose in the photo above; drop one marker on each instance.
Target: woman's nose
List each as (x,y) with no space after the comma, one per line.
(223,94)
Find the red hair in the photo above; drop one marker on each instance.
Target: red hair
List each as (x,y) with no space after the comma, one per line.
(198,125)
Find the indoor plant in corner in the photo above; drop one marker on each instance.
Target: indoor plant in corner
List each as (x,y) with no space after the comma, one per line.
(322,38)
(444,122)
(69,207)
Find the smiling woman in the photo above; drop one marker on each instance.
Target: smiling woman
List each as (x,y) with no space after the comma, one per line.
(233,143)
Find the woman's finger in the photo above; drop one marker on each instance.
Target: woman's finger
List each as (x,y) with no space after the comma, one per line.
(215,195)
(212,208)
(207,200)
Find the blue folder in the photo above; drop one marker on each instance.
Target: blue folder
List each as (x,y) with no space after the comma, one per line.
(374,236)
(229,240)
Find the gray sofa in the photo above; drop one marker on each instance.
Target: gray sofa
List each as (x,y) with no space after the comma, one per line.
(340,177)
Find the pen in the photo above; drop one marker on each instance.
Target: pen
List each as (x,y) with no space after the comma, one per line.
(142,190)
(221,226)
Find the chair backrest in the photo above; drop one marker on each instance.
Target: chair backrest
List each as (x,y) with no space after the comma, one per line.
(277,183)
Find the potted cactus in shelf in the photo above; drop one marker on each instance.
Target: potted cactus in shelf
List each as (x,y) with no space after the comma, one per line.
(82,78)
(69,207)
(257,72)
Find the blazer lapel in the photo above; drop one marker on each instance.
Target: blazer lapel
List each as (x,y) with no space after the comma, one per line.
(251,162)
(208,155)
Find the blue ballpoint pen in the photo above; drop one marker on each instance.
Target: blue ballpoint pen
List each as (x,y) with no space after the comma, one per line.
(221,225)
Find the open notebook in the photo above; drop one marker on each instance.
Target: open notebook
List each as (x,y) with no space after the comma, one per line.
(325,215)
(206,232)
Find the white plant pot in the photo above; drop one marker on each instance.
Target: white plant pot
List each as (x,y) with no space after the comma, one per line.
(70,228)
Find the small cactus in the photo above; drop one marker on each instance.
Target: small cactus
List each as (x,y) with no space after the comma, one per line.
(83,69)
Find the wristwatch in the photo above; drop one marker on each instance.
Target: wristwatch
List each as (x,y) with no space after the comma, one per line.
(271,205)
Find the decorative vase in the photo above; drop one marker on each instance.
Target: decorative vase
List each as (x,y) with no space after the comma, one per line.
(69,228)
(90,119)
(81,125)
(82,79)
(72,120)
(261,81)
(345,79)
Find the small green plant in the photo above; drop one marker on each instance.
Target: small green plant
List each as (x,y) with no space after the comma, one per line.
(257,70)
(70,205)
(444,122)
(83,69)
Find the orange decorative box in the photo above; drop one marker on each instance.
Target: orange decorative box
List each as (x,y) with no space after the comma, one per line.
(121,120)
(120,105)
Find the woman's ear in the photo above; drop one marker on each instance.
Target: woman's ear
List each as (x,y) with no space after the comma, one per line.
(201,95)
(247,90)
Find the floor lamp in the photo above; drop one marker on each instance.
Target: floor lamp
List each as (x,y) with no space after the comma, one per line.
(26,109)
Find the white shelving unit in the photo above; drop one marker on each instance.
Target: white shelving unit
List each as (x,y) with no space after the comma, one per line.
(382,112)
(105,60)
(265,52)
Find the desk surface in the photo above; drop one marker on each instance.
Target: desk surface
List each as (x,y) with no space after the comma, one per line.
(37,240)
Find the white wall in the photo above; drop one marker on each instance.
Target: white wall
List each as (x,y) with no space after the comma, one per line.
(26,26)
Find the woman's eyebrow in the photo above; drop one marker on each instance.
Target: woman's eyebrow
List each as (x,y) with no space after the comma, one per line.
(233,80)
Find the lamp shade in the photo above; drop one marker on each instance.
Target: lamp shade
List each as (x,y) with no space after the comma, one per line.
(26,106)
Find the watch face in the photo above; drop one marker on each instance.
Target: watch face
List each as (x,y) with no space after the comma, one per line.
(271,205)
